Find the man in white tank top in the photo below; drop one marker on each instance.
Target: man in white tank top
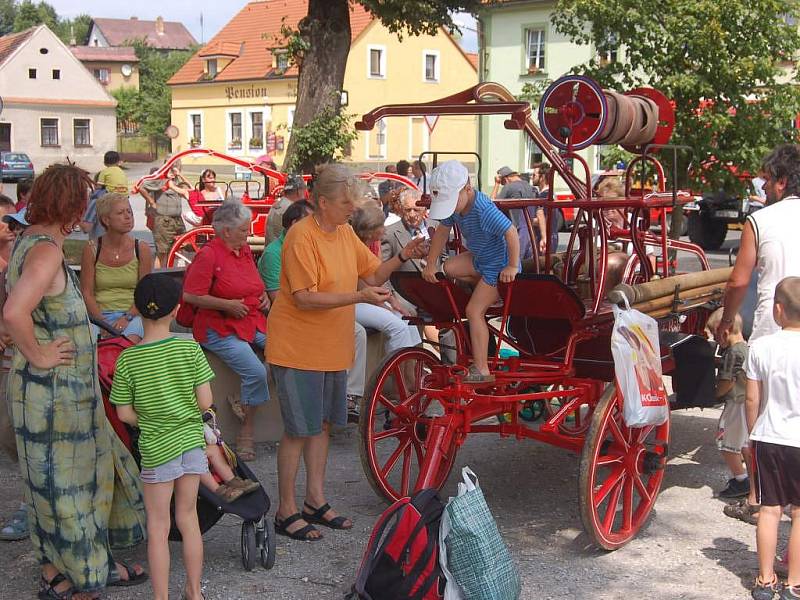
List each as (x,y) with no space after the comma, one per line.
(770,243)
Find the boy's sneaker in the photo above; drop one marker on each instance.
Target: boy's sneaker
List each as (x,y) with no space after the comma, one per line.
(735,488)
(353,412)
(247,486)
(767,591)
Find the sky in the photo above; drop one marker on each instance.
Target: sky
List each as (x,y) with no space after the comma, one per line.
(215,14)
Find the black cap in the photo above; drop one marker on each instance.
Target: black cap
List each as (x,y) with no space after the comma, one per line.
(156,295)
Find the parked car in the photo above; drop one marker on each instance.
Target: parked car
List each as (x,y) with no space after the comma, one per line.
(15,166)
(710,216)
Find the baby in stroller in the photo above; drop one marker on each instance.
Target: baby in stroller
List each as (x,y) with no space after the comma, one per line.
(221,479)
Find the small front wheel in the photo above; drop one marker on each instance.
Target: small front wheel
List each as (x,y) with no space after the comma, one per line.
(267,545)
(248,545)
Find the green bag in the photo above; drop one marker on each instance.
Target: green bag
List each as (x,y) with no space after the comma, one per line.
(473,556)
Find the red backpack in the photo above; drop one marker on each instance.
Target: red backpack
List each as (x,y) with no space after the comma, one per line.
(401,562)
(187,311)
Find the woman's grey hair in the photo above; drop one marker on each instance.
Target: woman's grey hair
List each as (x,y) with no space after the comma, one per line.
(367,219)
(230,214)
(409,193)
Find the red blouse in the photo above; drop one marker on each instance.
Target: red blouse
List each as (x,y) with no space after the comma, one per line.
(218,271)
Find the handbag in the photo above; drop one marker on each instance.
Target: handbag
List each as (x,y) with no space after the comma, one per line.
(637,365)
(472,554)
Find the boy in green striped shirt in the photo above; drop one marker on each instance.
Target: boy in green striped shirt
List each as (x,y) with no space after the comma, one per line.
(162,386)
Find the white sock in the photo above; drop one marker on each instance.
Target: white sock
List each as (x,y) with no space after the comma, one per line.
(741,477)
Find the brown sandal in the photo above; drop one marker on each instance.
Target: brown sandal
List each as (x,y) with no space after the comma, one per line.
(743,510)
(245,448)
(236,406)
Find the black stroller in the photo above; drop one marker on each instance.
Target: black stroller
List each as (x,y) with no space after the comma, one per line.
(258,535)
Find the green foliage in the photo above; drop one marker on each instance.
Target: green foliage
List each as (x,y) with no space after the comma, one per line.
(417,17)
(722,62)
(611,155)
(321,140)
(29,14)
(8,11)
(154,104)
(533,91)
(128,104)
(18,16)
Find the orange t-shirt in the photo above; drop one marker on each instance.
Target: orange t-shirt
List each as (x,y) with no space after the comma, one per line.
(312,259)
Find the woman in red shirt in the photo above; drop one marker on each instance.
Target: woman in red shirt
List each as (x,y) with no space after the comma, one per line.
(223,283)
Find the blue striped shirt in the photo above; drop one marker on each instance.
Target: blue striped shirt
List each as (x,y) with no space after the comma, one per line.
(484,228)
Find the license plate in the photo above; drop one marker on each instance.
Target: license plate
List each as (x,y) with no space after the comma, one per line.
(18,165)
(728,214)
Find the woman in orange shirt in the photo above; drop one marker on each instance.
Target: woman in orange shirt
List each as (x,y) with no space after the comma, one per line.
(310,346)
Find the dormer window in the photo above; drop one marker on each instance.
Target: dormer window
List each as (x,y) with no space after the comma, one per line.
(212,68)
(281,59)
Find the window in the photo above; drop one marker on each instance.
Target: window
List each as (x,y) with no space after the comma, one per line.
(608,51)
(376,57)
(256,129)
(212,68)
(31,73)
(534,49)
(196,123)
(430,66)
(281,60)
(49,132)
(101,75)
(533,154)
(56,73)
(81,132)
(236,130)
(289,118)
(43,50)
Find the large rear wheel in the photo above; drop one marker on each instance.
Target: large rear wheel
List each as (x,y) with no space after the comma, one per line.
(396,421)
(621,471)
(186,246)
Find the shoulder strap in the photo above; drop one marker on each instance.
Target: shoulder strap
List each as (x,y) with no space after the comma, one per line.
(136,248)
(371,551)
(98,244)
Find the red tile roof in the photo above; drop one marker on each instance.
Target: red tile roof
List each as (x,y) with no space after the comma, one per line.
(9,43)
(256,30)
(99,54)
(220,48)
(117,32)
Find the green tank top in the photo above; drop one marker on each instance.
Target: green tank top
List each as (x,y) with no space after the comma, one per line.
(113,286)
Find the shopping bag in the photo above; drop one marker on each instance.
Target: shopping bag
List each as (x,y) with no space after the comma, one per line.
(637,364)
(472,555)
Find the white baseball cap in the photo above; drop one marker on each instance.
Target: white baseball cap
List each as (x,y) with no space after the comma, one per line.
(447,180)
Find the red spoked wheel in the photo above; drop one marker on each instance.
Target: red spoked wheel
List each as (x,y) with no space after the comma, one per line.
(395,424)
(621,471)
(188,245)
(573,112)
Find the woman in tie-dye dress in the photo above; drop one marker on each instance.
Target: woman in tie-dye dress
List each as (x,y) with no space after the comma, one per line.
(81,483)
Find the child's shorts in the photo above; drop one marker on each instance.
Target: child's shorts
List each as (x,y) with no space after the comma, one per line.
(776,474)
(191,462)
(732,433)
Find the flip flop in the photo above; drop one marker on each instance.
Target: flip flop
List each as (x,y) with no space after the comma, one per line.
(317,517)
(301,535)
(134,578)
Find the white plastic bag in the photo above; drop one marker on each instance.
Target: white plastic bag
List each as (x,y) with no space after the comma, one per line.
(637,364)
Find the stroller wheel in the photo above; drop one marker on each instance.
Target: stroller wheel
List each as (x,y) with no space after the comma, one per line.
(248,545)
(267,544)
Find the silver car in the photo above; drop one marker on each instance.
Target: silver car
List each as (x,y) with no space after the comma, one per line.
(15,166)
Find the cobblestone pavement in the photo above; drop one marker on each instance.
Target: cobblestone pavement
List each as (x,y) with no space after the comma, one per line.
(688,550)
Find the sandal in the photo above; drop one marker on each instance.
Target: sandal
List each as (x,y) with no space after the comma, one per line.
(134,578)
(766,591)
(475,376)
(228,493)
(236,406)
(743,510)
(301,535)
(47,589)
(317,517)
(245,449)
(16,528)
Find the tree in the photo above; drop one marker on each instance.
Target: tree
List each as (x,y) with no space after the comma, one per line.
(8,11)
(29,14)
(726,64)
(325,36)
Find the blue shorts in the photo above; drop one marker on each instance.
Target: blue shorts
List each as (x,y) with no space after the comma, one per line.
(134,326)
(309,398)
(191,462)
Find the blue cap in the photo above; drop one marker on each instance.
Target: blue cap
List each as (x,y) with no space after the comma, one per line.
(18,217)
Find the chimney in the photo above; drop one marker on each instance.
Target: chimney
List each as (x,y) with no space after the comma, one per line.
(160,25)
(134,18)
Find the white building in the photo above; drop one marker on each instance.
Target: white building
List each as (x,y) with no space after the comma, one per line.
(53,107)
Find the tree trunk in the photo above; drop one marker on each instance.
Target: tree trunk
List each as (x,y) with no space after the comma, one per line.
(327,29)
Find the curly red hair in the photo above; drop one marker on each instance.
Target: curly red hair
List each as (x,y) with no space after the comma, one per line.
(59,196)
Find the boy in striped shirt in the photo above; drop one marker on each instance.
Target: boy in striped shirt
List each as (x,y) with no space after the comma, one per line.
(493,253)
(162,386)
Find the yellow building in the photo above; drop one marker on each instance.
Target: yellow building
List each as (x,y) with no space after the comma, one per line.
(237,94)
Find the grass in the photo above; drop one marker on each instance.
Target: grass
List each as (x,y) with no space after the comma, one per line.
(73,250)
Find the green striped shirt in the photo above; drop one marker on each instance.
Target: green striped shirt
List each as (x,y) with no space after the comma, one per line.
(159,379)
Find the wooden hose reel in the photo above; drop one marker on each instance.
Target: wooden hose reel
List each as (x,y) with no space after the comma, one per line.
(576,112)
